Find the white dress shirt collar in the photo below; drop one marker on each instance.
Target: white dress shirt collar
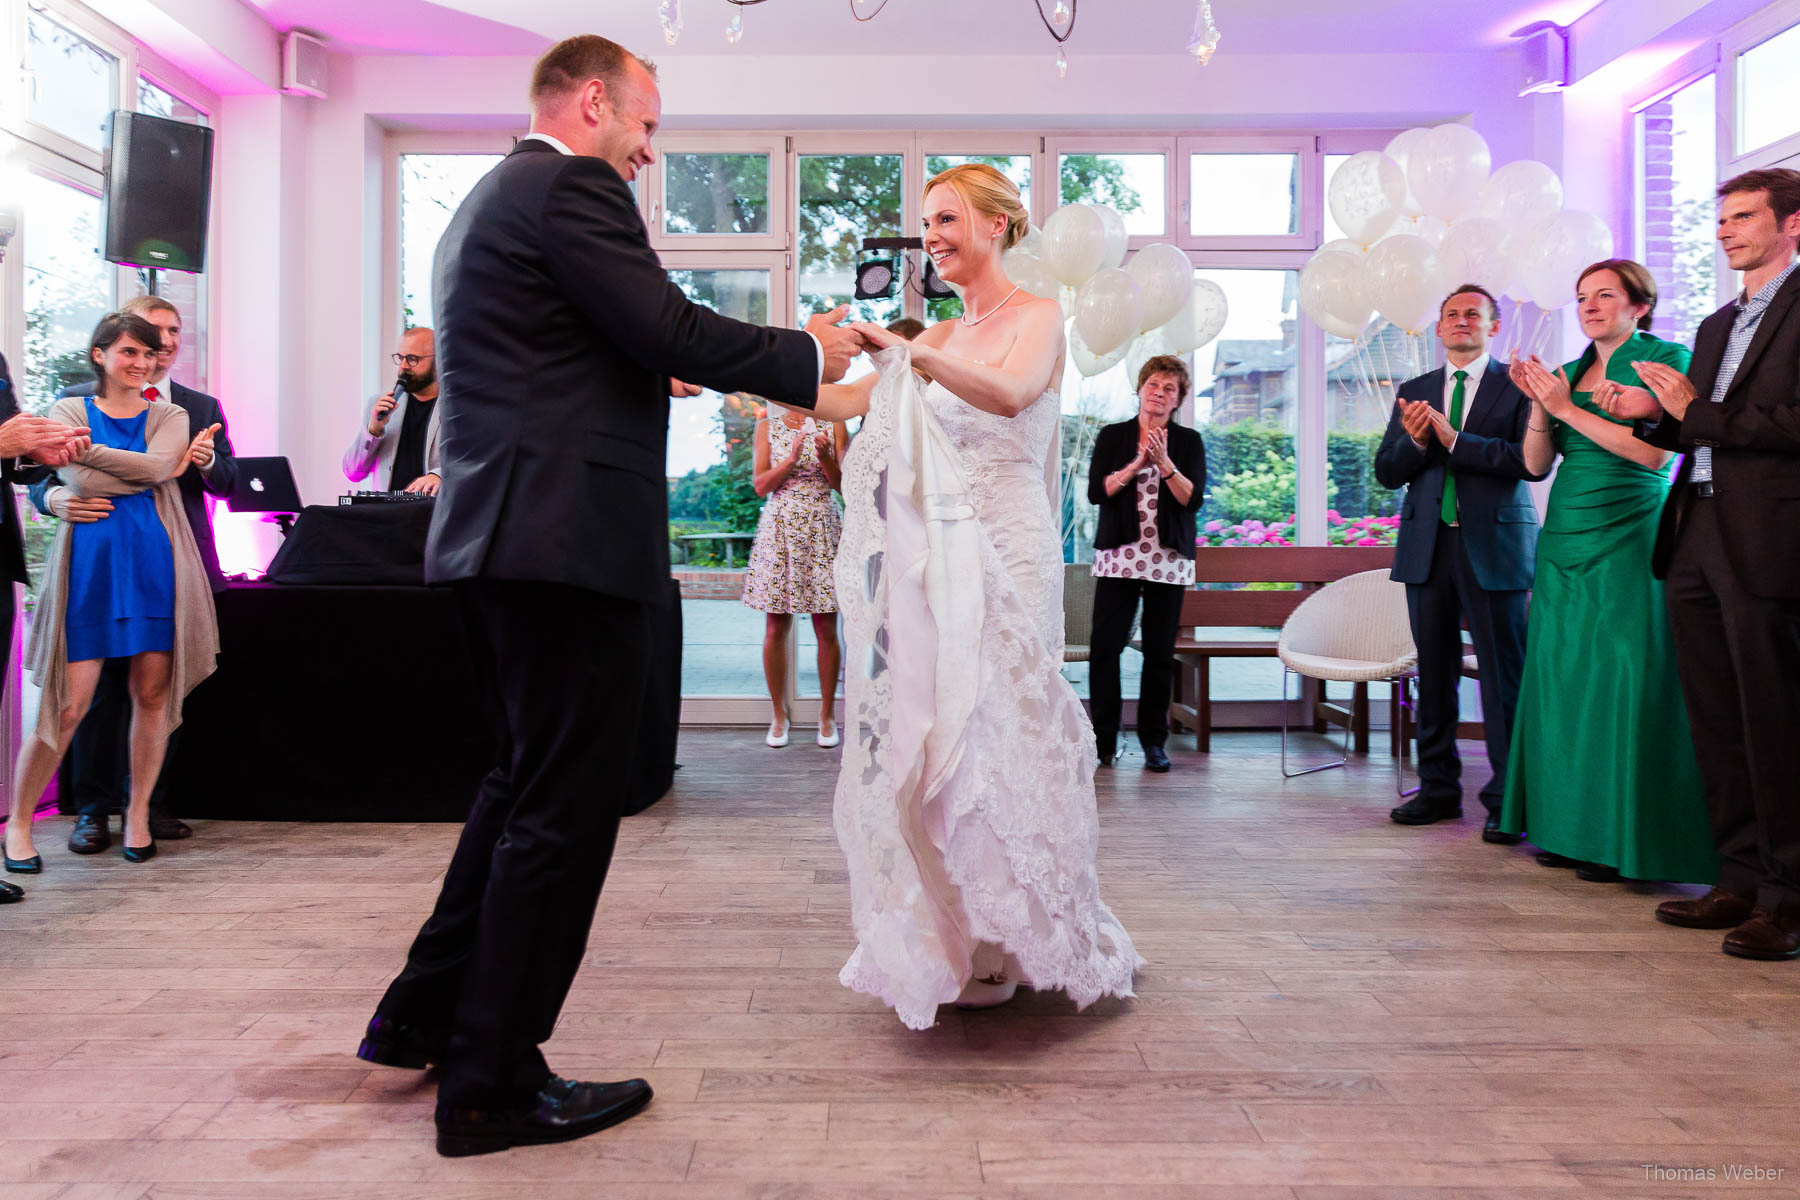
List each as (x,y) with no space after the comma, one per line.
(1477,371)
(553,143)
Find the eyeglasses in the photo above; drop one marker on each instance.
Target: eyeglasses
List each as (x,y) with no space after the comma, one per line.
(409,360)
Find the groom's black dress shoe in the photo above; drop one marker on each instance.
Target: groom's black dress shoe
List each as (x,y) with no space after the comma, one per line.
(1156,759)
(10,893)
(388,1043)
(561,1112)
(1421,811)
(1491,832)
(90,835)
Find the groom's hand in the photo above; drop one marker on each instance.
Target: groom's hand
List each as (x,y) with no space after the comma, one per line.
(840,344)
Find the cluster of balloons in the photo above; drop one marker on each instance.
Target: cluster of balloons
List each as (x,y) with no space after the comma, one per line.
(1122,311)
(1425,215)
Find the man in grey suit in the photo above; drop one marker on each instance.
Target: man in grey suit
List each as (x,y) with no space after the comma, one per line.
(1467,547)
(558,333)
(98,757)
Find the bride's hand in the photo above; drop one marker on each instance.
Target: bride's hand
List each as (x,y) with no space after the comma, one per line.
(876,337)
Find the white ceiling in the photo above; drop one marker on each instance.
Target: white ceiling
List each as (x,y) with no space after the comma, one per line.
(480,27)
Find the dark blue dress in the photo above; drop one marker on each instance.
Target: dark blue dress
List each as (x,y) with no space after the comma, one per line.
(121,569)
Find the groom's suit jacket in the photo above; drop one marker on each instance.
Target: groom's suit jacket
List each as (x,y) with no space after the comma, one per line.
(557,332)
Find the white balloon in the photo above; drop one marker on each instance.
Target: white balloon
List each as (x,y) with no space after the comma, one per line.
(1417,224)
(1562,246)
(1089,363)
(1033,241)
(1200,320)
(1065,298)
(1108,309)
(1400,148)
(1521,195)
(1115,235)
(1402,274)
(1346,246)
(1366,193)
(1030,273)
(1166,278)
(1074,243)
(1142,349)
(1446,169)
(1334,291)
(1475,251)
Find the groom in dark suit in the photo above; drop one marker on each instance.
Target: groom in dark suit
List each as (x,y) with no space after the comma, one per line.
(1467,548)
(558,332)
(1729,551)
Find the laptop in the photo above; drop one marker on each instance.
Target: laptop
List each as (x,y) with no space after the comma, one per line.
(264,485)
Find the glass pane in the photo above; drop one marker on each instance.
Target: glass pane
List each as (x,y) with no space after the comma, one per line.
(1242,195)
(1769,91)
(68,288)
(432,186)
(187,292)
(1246,404)
(716,193)
(1131,183)
(1333,231)
(1677,157)
(710,451)
(160,102)
(71,83)
(1360,378)
(844,198)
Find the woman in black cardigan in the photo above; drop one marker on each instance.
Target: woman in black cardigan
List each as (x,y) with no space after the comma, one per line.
(1148,477)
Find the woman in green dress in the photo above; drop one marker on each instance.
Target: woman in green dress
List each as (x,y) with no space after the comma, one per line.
(1602,771)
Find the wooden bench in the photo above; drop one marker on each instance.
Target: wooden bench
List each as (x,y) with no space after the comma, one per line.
(1307,568)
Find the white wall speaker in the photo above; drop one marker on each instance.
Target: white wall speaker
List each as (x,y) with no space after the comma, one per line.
(303,65)
(1543,59)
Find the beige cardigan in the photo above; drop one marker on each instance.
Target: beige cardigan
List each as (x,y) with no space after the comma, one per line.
(105,471)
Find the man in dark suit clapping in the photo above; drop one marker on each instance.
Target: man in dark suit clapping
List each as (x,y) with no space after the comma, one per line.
(99,759)
(558,333)
(1467,547)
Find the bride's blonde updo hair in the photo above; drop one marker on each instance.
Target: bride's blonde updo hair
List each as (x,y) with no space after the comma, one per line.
(986,191)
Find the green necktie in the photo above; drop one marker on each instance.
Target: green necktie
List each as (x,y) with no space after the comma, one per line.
(1456,407)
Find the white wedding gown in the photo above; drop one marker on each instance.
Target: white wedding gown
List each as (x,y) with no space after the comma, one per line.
(965,803)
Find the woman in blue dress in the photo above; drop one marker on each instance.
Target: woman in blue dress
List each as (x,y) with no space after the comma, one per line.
(128,586)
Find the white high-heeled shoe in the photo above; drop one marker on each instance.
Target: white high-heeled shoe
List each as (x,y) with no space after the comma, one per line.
(778,740)
(828,740)
(987,993)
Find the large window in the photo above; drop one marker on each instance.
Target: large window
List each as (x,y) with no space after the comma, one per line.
(1677,154)
(1243,195)
(72,84)
(68,287)
(715,194)
(1768,99)
(158,101)
(432,186)
(1134,184)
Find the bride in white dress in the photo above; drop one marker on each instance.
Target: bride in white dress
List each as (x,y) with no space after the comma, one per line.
(965,803)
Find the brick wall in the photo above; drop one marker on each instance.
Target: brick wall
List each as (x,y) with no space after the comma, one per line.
(710,583)
(1658,247)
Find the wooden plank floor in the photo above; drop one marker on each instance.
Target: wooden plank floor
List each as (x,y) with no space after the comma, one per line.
(1336,1008)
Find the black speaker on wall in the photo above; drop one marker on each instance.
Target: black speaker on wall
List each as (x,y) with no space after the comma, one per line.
(158,192)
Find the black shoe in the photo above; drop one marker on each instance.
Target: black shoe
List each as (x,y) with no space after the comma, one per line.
(1549,858)
(1156,759)
(1491,832)
(1597,873)
(388,1043)
(10,893)
(165,828)
(140,854)
(23,866)
(90,835)
(563,1111)
(1421,811)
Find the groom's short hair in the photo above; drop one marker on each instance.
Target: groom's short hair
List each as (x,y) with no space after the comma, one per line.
(573,61)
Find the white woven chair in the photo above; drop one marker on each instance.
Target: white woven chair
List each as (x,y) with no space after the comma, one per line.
(1078,611)
(1353,631)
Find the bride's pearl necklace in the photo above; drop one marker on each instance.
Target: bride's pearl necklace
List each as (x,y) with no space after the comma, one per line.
(990,312)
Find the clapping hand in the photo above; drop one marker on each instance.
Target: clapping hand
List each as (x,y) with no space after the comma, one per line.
(1156,450)
(27,435)
(1673,390)
(1423,422)
(1625,402)
(1550,391)
(200,450)
(822,446)
(839,343)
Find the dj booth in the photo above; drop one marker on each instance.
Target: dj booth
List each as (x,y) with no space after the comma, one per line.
(346,690)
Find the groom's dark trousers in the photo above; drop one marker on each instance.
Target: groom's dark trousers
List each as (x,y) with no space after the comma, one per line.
(557,332)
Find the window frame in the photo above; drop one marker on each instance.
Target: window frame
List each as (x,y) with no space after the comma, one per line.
(1308,203)
(778,148)
(105,37)
(1055,146)
(1776,19)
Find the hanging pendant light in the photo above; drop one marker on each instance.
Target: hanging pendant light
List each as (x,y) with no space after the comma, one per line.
(1062,64)
(735,30)
(1061,14)
(668,12)
(1205,37)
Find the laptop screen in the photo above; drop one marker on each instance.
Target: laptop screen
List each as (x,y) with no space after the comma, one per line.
(265,485)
